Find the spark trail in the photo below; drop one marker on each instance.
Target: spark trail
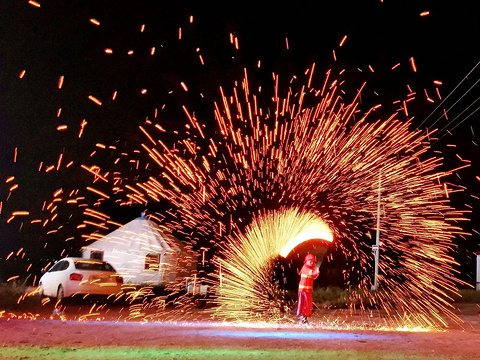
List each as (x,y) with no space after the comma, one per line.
(309,152)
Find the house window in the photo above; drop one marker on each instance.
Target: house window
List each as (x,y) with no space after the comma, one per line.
(152,262)
(96,255)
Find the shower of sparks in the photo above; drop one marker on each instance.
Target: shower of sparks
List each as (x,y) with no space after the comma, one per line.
(329,159)
(306,157)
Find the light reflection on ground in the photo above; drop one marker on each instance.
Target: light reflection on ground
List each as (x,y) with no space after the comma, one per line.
(303,335)
(211,329)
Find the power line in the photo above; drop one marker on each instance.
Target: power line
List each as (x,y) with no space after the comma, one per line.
(468,107)
(441,103)
(456,102)
(473,112)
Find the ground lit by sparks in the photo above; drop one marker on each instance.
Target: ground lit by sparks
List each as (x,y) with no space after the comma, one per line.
(332,322)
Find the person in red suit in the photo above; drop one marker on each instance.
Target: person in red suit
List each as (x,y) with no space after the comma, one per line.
(308,273)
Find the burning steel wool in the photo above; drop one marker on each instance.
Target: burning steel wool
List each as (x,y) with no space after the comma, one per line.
(246,290)
(308,157)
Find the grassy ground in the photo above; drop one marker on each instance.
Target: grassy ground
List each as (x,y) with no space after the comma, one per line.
(47,352)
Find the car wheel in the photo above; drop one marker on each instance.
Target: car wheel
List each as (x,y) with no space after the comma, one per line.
(60,293)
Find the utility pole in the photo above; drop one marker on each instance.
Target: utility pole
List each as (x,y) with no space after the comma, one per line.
(376,247)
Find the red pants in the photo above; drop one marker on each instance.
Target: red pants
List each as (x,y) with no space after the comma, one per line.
(304,304)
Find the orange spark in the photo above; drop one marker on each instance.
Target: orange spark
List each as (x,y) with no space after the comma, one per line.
(412,62)
(144,91)
(108,51)
(98,192)
(95,21)
(425,13)
(82,126)
(93,172)
(184,86)
(20,213)
(60,82)
(160,128)
(142,28)
(405,108)
(343,41)
(59,162)
(438,93)
(62,127)
(147,135)
(429,99)
(34,3)
(95,100)
(22,74)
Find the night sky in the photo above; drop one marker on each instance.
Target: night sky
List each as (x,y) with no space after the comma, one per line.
(58,39)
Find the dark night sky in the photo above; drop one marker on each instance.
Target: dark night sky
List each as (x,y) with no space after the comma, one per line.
(58,39)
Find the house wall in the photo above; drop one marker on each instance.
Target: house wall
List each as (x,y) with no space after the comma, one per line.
(131,265)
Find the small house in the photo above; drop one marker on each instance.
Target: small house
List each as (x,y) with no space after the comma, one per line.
(142,253)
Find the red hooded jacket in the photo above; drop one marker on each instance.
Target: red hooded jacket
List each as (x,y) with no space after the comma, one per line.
(307,275)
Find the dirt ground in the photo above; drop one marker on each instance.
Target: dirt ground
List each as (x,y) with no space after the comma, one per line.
(88,325)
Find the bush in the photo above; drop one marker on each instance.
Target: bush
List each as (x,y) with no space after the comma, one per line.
(469,296)
(331,297)
(12,297)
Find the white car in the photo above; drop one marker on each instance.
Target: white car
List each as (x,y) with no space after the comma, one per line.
(72,276)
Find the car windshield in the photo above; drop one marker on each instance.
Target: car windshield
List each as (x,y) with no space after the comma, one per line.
(93,265)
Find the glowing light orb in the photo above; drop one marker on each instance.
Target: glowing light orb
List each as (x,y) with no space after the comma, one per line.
(306,236)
